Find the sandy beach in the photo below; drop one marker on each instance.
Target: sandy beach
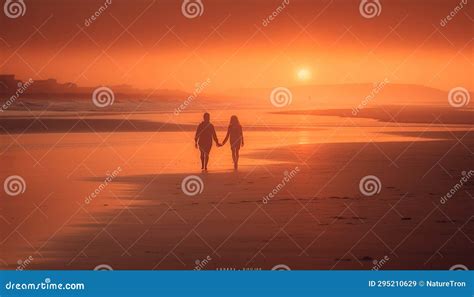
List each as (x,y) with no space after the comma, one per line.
(319,219)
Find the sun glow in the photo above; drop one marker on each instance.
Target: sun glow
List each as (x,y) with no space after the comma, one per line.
(304,74)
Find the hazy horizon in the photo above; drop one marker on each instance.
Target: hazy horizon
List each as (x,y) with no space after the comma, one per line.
(236,46)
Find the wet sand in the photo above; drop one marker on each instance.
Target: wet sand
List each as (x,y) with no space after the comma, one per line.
(400,114)
(318,220)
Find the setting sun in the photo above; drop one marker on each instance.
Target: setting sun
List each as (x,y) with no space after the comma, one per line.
(304,74)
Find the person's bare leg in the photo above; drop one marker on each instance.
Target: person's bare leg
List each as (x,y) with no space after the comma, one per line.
(233,156)
(237,155)
(202,160)
(206,160)
(236,158)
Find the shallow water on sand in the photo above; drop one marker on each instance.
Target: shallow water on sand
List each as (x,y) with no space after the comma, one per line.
(173,151)
(62,169)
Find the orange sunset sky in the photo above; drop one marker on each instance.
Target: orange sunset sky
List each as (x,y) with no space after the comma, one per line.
(150,44)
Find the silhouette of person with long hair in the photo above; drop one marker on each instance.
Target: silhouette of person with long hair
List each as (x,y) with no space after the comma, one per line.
(234,132)
(205,134)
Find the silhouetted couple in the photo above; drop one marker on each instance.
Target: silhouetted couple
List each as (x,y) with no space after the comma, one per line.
(206,133)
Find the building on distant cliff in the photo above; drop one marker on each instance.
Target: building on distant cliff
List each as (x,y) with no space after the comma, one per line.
(9,84)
